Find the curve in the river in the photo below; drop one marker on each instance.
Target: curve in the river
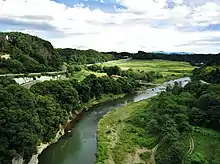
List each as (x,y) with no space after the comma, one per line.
(80,145)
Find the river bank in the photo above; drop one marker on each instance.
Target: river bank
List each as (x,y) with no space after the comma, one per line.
(117,143)
(81,140)
(114,142)
(76,115)
(40,148)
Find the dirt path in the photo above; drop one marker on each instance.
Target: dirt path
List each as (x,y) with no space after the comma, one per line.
(191,148)
(153,154)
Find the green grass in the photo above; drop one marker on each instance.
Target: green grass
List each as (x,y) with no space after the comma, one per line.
(152,65)
(116,137)
(169,69)
(83,73)
(145,156)
(207,145)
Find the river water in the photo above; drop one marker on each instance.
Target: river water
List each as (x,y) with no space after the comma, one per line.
(80,145)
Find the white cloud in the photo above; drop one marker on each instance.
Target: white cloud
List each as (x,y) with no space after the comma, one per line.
(146,25)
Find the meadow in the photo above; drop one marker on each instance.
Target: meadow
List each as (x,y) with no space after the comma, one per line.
(80,75)
(169,69)
(152,65)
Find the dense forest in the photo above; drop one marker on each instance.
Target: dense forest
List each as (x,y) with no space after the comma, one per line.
(173,115)
(29,117)
(23,53)
(79,57)
(195,59)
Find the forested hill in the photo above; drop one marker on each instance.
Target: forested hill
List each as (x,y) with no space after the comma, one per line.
(209,72)
(195,59)
(75,56)
(23,53)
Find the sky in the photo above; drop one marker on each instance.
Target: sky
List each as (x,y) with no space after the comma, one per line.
(118,25)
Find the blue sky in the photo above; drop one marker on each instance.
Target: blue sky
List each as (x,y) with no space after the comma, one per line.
(104,5)
(119,25)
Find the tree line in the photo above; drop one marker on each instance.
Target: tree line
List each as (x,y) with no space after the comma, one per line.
(80,57)
(194,59)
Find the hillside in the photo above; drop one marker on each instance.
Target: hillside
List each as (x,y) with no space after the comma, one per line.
(209,72)
(23,53)
(74,56)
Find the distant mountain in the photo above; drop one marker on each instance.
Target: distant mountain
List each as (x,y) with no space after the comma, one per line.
(177,53)
(24,53)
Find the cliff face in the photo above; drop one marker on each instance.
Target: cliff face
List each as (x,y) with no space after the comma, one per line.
(21,53)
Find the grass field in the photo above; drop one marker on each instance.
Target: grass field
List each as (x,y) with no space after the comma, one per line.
(83,73)
(169,69)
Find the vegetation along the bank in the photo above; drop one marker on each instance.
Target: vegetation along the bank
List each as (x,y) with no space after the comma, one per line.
(29,117)
(178,126)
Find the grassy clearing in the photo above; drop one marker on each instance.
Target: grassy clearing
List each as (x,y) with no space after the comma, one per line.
(207,147)
(117,140)
(83,73)
(169,69)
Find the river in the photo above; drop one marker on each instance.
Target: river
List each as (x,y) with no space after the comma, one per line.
(79,146)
